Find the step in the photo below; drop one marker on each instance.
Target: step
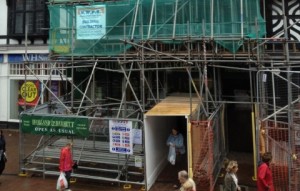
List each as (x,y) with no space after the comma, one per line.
(75,175)
(88,168)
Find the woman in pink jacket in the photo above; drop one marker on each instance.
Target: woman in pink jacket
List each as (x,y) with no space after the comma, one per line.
(66,162)
(264,174)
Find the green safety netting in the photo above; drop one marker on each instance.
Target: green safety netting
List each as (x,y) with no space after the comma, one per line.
(100,28)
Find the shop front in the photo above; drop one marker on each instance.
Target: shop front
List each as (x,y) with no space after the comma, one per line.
(34,88)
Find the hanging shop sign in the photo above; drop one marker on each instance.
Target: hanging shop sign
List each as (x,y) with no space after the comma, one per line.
(120,132)
(55,90)
(20,58)
(55,125)
(29,92)
(1,58)
(90,22)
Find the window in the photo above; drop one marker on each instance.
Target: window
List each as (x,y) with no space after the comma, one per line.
(30,13)
(275,19)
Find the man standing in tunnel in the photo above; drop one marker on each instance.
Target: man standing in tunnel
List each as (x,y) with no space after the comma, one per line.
(176,145)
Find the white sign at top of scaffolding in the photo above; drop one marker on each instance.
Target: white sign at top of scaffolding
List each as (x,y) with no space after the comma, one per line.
(90,22)
(120,134)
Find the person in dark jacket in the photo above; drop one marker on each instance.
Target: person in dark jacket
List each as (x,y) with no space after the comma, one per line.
(2,152)
(264,174)
(231,181)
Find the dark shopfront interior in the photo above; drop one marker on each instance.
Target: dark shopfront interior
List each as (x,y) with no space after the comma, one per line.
(236,88)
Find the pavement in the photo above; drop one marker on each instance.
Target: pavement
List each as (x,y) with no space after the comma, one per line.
(10,181)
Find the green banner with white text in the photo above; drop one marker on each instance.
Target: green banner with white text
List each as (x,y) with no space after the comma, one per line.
(55,125)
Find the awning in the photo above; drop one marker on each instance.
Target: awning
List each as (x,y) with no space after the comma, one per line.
(175,105)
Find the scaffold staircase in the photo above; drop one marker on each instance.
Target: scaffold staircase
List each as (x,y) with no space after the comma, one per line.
(93,158)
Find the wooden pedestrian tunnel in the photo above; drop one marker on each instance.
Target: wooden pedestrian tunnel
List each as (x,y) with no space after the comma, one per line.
(181,111)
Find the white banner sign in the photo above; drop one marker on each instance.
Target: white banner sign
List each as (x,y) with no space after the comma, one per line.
(138,161)
(90,22)
(137,136)
(120,136)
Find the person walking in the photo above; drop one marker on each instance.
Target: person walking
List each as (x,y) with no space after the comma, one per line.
(66,163)
(231,180)
(187,184)
(264,174)
(3,158)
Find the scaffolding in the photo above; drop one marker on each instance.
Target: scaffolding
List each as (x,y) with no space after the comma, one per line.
(132,62)
(168,21)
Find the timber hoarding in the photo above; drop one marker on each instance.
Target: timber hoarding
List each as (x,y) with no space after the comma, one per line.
(55,125)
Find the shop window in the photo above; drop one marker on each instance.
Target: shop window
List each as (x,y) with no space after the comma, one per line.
(28,94)
(32,13)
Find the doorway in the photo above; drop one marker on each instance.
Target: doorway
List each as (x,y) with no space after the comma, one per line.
(236,90)
(157,131)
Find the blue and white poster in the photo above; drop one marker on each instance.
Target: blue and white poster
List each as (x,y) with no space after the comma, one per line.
(90,22)
(120,132)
